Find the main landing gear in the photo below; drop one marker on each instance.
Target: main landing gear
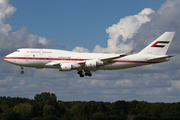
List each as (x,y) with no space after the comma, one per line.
(22,72)
(87,73)
(80,73)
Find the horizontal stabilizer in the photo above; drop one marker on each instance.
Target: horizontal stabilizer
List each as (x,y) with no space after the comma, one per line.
(159,58)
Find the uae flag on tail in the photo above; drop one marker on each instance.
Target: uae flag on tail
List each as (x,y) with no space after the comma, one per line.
(160,44)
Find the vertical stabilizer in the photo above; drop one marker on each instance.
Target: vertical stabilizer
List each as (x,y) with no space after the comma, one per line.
(159,46)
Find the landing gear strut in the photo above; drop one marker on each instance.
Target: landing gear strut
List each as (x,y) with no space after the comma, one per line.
(22,72)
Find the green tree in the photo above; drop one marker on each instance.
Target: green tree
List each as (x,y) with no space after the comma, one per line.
(171,110)
(24,109)
(131,107)
(10,116)
(120,108)
(48,110)
(102,107)
(61,108)
(43,99)
(93,109)
(76,109)
(140,106)
(155,110)
(46,99)
(98,114)
(86,110)
(4,107)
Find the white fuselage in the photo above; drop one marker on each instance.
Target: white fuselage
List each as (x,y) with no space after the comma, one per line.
(38,58)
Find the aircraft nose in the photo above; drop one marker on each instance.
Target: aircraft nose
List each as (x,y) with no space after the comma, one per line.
(8,59)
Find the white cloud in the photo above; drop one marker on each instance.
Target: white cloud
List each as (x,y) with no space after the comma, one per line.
(43,40)
(9,40)
(6,9)
(23,82)
(6,82)
(80,49)
(120,32)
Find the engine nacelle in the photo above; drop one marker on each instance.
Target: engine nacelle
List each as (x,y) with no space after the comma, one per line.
(65,67)
(93,64)
(68,66)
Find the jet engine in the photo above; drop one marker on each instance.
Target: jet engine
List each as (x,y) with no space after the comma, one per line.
(65,67)
(68,66)
(92,64)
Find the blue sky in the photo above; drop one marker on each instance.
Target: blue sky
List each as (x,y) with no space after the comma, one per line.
(90,26)
(78,22)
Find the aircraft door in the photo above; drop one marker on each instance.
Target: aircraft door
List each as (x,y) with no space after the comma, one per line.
(138,62)
(41,51)
(49,59)
(26,58)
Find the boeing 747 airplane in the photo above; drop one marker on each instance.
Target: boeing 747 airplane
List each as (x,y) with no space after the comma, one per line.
(84,63)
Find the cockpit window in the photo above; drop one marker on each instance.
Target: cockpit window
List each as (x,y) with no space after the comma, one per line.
(18,51)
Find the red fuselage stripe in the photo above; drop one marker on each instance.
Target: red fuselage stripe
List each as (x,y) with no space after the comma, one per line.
(71,59)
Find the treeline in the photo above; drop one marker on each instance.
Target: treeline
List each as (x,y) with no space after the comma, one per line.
(45,106)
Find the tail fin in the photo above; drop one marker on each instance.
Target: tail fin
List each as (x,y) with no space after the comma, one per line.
(160,45)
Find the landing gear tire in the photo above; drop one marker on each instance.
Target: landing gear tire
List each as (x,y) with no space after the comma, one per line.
(88,73)
(80,73)
(22,72)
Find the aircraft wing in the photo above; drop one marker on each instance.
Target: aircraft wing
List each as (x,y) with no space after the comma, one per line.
(117,56)
(103,61)
(106,60)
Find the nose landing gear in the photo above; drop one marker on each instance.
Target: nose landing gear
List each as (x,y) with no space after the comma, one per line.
(22,72)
